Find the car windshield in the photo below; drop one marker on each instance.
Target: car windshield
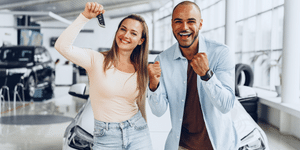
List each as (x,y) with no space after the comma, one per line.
(16,55)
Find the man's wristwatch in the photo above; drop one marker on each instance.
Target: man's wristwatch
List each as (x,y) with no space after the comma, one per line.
(207,76)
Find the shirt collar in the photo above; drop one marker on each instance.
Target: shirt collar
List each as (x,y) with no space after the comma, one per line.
(201,48)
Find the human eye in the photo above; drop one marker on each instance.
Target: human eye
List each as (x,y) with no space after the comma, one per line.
(133,33)
(192,21)
(178,21)
(122,29)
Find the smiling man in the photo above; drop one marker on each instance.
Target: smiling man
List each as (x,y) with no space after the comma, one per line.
(195,77)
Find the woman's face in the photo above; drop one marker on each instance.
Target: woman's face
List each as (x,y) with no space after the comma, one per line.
(129,35)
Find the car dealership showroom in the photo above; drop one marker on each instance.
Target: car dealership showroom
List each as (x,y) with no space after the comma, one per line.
(44,97)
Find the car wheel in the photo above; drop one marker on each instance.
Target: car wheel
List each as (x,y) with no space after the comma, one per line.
(31,86)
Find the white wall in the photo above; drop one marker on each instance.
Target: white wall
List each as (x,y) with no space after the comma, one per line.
(8,34)
(101,37)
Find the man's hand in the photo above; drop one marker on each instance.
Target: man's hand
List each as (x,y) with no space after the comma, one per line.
(92,9)
(154,72)
(200,64)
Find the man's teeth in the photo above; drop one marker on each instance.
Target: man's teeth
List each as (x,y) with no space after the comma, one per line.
(184,34)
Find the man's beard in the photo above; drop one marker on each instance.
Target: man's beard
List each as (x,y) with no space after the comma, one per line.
(187,45)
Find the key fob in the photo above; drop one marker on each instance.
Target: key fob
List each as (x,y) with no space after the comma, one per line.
(101,22)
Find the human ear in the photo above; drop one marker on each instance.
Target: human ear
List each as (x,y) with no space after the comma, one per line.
(141,41)
(200,24)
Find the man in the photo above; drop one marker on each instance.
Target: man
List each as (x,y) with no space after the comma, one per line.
(195,77)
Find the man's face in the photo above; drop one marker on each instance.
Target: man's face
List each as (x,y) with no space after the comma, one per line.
(186,23)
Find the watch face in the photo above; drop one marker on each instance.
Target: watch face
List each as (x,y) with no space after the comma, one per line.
(208,75)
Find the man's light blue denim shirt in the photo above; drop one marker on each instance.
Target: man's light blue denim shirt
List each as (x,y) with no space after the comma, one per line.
(216,95)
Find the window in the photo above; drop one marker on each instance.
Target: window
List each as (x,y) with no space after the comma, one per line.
(259,28)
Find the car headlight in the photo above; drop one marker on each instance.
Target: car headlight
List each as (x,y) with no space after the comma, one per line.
(80,139)
(252,141)
(74,121)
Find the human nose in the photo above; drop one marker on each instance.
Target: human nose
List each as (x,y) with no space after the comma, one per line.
(184,26)
(126,35)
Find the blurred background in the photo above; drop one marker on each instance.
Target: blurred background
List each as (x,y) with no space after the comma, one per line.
(263,34)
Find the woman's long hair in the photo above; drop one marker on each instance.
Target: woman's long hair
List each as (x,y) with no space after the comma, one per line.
(139,57)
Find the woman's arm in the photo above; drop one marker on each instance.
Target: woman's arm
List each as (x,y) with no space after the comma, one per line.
(64,44)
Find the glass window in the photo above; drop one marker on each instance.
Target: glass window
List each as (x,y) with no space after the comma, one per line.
(220,35)
(220,14)
(252,7)
(210,20)
(239,37)
(277,2)
(251,25)
(240,10)
(15,55)
(277,28)
(266,4)
(266,30)
(261,73)
(249,32)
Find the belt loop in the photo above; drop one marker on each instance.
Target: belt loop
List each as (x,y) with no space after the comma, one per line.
(130,123)
(106,125)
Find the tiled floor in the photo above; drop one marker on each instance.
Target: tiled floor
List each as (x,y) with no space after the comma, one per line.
(49,136)
(278,141)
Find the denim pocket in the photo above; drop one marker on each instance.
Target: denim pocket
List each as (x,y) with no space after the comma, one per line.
(99,132)
(140,124)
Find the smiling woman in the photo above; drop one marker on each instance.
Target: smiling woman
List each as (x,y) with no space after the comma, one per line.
(118,79)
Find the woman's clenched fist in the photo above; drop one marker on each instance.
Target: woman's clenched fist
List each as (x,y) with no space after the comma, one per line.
(92,9)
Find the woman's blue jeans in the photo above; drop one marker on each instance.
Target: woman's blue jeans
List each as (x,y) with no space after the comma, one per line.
(132,134)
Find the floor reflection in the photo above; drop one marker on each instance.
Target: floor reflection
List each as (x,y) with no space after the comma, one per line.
(38,123)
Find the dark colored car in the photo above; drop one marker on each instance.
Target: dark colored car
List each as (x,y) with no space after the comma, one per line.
(31,66)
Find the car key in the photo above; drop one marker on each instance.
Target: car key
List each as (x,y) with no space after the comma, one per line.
(101,20)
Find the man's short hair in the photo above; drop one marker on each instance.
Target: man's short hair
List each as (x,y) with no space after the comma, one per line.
(187,3)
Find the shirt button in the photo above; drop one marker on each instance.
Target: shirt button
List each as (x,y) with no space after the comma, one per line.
(184,82)
(180,119)
(177,137)
(182,100)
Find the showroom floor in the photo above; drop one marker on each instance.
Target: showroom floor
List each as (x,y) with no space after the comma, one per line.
(40,124)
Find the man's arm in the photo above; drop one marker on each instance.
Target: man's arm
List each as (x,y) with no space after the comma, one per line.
(220,87)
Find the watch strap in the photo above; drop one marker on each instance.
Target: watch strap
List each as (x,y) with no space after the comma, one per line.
(207,76)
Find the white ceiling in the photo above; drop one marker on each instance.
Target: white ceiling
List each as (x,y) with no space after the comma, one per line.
(69,9)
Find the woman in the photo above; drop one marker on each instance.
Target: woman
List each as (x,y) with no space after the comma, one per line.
(117,78)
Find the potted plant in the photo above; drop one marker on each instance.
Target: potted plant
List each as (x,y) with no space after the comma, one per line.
(272,63)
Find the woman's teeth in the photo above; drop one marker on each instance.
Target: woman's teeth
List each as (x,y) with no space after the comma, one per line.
(124,41)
